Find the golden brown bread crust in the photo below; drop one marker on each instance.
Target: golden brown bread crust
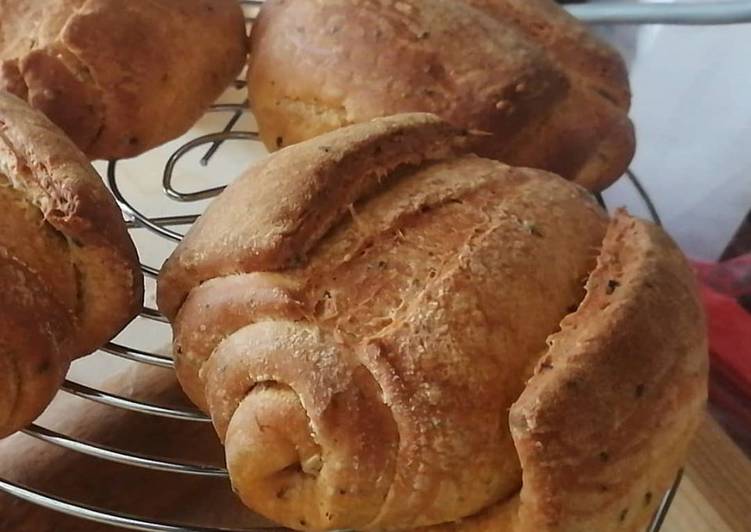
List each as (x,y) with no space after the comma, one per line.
(419,206)
(331,171)
(66,246)
(32,330)
(120,77)
(359,351)
(201,327)
(547,92)
(598,457)
(584,55)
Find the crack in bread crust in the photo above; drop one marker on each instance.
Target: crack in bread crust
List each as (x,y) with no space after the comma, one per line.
(617,442)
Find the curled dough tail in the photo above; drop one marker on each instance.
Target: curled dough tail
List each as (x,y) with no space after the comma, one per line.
(301,420)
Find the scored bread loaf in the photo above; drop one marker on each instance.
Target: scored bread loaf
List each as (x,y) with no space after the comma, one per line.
(544,91)
(390,333)
(69,273)
(120,77)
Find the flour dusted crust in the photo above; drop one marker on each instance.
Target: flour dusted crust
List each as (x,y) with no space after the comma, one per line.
(413,337)
(120,77)
(69,273)
(544,90)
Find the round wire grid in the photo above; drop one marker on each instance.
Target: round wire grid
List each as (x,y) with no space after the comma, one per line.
(166,228)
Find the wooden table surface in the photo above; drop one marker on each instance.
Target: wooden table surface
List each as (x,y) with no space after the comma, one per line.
(715,494)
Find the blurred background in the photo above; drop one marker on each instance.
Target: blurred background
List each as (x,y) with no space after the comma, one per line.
(692,109)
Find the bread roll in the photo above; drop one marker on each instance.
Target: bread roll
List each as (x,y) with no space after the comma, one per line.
(391,334)
(544,91)
(120,77)
(69,273)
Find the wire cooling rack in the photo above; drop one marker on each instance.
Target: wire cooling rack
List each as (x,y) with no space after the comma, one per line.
(211,146)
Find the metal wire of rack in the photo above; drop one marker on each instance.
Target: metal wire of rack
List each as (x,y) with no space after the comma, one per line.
(164,227)
(699,13)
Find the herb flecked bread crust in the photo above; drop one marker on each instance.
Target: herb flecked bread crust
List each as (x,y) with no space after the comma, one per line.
(120,77)
(542,89)
(69,273)
(391,333)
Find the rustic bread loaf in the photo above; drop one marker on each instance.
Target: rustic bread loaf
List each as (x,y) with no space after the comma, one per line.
(545,92)
(120,77)
(390,333)
(69,273)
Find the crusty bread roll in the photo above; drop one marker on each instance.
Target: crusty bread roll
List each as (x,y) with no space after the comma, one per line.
(359,313)
(69,273)
(545,91)
(120,77)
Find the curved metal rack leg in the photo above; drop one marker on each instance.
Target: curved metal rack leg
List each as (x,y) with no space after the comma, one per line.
(116,401)
(122,457)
